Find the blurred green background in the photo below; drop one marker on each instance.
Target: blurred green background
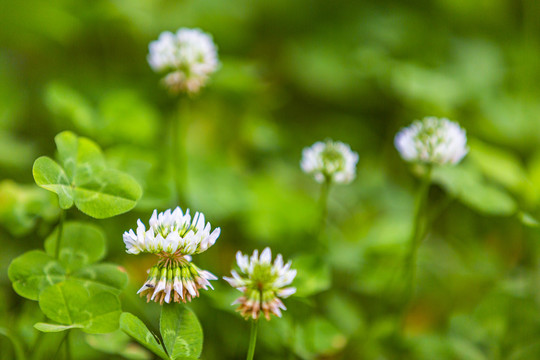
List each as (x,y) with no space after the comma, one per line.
(292,73)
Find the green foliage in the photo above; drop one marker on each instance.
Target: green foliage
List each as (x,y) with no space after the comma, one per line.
(69,303)
(135,328)
(466,183)
(81,244)
(291,73)
(117,343)
(180,329)
(33,272)
(84,180)
(313,275)
(181,332)
(21,206)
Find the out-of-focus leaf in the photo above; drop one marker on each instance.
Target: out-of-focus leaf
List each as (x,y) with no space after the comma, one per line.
(528,220)
(118,343)
(313,275)
(465,183)
(318,336)
(64,102)
(498,164)
(181,331)
(22,205)
(81,244)
(17,345)
(34,271)
(527,352)
(14,152)
(126,117)
(134,327)
(121,115)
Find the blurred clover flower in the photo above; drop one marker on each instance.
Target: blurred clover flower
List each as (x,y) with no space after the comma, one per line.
(263,284)
(173,237)
(432,141)
(188,57)
(330,161)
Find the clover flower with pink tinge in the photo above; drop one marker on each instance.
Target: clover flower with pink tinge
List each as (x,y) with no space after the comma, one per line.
(173,236)
(262,283)
(188,58)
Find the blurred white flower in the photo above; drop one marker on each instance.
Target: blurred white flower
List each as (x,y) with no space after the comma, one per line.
(331,160)
(174,237)
(189,57)
(262,284)
(432,141)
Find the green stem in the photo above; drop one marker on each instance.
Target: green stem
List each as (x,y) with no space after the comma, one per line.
(17,346)
(60,345)
(178,154)
(68,348)
(323,208)
(252,339)
(59,234)
(417,233)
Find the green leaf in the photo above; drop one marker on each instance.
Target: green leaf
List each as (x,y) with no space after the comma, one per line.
(181,331)
(498,164)
(84,179)
(34,271)
(466,183)
(317,336)
(17,345)
(49,175)
(134,327)
(119,343)
(69,303)
(81,244)
(528,220)
(81,157)
(110,193)
(22,205)
(313,275)
(102,277)
(46,327)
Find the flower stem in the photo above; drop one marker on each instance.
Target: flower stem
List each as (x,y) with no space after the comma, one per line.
(68,349)
(60,345)
(252,339)
(178,153)
(417,233)
(323,208)
(59,234)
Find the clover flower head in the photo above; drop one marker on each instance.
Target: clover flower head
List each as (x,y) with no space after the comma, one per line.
(173,236)
(262,284)
(172,232)
(331,161)
(432,141)
(188,57)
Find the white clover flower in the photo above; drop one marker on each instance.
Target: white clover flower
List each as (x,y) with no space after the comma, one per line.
(262,284)
(172,232)
(174,237)
(432,141)
(331,161)
(176,280)
(189,57)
